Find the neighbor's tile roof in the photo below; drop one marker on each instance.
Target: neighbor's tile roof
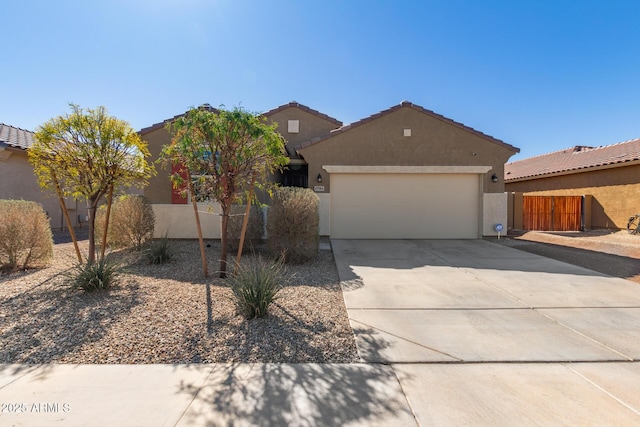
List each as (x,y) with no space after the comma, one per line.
(15,137)
(404,104)
(574,159)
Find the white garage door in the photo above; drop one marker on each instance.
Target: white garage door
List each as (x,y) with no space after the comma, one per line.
(404,206)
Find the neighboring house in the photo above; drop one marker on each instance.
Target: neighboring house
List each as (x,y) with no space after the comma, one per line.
(405,172)
(609,174)
(18,180)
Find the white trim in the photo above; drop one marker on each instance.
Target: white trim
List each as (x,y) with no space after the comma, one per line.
(406,169)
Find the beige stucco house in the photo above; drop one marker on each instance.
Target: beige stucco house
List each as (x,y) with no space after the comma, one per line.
(609,174)
(18,180)
(405,172)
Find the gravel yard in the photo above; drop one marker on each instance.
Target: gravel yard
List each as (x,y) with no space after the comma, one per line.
(170,314)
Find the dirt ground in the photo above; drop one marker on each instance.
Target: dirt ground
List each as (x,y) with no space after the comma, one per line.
(615,253)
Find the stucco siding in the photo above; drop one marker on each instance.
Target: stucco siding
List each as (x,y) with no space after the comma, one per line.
(311,126)
(18,181)
(615,192)
(159,188)
(433,142)
(325,213)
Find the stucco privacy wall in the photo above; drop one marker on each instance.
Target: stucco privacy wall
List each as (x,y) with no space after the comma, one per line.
(494,211)
(614,192)
(178,221)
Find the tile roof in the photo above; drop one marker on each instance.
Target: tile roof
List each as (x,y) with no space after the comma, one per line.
(294,104)
(574,159)
(15,137)
(164,122)
(397,107)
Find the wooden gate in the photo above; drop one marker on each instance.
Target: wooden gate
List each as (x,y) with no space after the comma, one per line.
(552,213)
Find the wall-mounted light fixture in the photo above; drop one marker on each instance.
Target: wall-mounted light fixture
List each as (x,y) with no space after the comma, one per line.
(494,178)
(319,178)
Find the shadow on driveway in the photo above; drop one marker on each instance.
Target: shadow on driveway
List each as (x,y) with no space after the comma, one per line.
(300,394)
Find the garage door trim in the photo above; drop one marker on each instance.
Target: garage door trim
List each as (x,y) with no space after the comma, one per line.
(407,169)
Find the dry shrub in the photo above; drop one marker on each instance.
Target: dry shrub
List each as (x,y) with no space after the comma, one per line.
(25,235)
(132,222)
(255,227)
(293,224)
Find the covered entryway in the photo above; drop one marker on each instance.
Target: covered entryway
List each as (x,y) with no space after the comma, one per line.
(405,205)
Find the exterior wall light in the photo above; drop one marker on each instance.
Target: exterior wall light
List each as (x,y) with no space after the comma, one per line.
(494,178)
(319,178)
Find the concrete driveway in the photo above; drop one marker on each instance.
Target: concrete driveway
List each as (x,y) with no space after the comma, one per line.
(484,334)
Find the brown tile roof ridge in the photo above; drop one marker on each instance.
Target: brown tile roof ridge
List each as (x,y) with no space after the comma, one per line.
(16,137)
(574,159)
(164,122)
(295,104)
(397,107)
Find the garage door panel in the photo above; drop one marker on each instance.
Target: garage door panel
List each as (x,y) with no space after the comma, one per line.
(419,206)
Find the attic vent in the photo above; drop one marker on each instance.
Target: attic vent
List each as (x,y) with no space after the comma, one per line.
(407,132)
(293,126)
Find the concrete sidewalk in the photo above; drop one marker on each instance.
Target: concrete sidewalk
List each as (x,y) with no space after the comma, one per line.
(321,395)
(202,395)
(451,333)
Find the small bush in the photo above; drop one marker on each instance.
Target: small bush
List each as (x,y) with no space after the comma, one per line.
(160,251)
(255,227)
(132,222)
(255,285)
(25,235)
(293,224)
(95,276)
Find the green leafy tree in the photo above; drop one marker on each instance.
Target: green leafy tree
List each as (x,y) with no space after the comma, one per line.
(226,153)
(86,155)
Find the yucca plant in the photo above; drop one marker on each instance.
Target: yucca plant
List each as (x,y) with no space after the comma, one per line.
(95,275)
(160,251)
(256,284)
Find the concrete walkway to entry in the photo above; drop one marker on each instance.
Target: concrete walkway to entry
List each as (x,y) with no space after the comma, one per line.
(480,333)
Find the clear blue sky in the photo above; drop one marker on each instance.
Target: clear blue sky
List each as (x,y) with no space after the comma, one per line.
(541,75)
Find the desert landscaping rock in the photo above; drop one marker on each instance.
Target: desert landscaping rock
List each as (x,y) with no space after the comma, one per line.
(170,314)
(611,252)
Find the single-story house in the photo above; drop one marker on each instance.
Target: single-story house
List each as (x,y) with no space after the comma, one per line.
(405,172)
(18,180)
(610,174)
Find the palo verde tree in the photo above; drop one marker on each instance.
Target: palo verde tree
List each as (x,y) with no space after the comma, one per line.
(225,154)
(86,155)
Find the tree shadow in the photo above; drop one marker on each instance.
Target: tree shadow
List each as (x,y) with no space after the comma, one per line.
(280,337)
(47,324)
(609,264)
(298,394)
